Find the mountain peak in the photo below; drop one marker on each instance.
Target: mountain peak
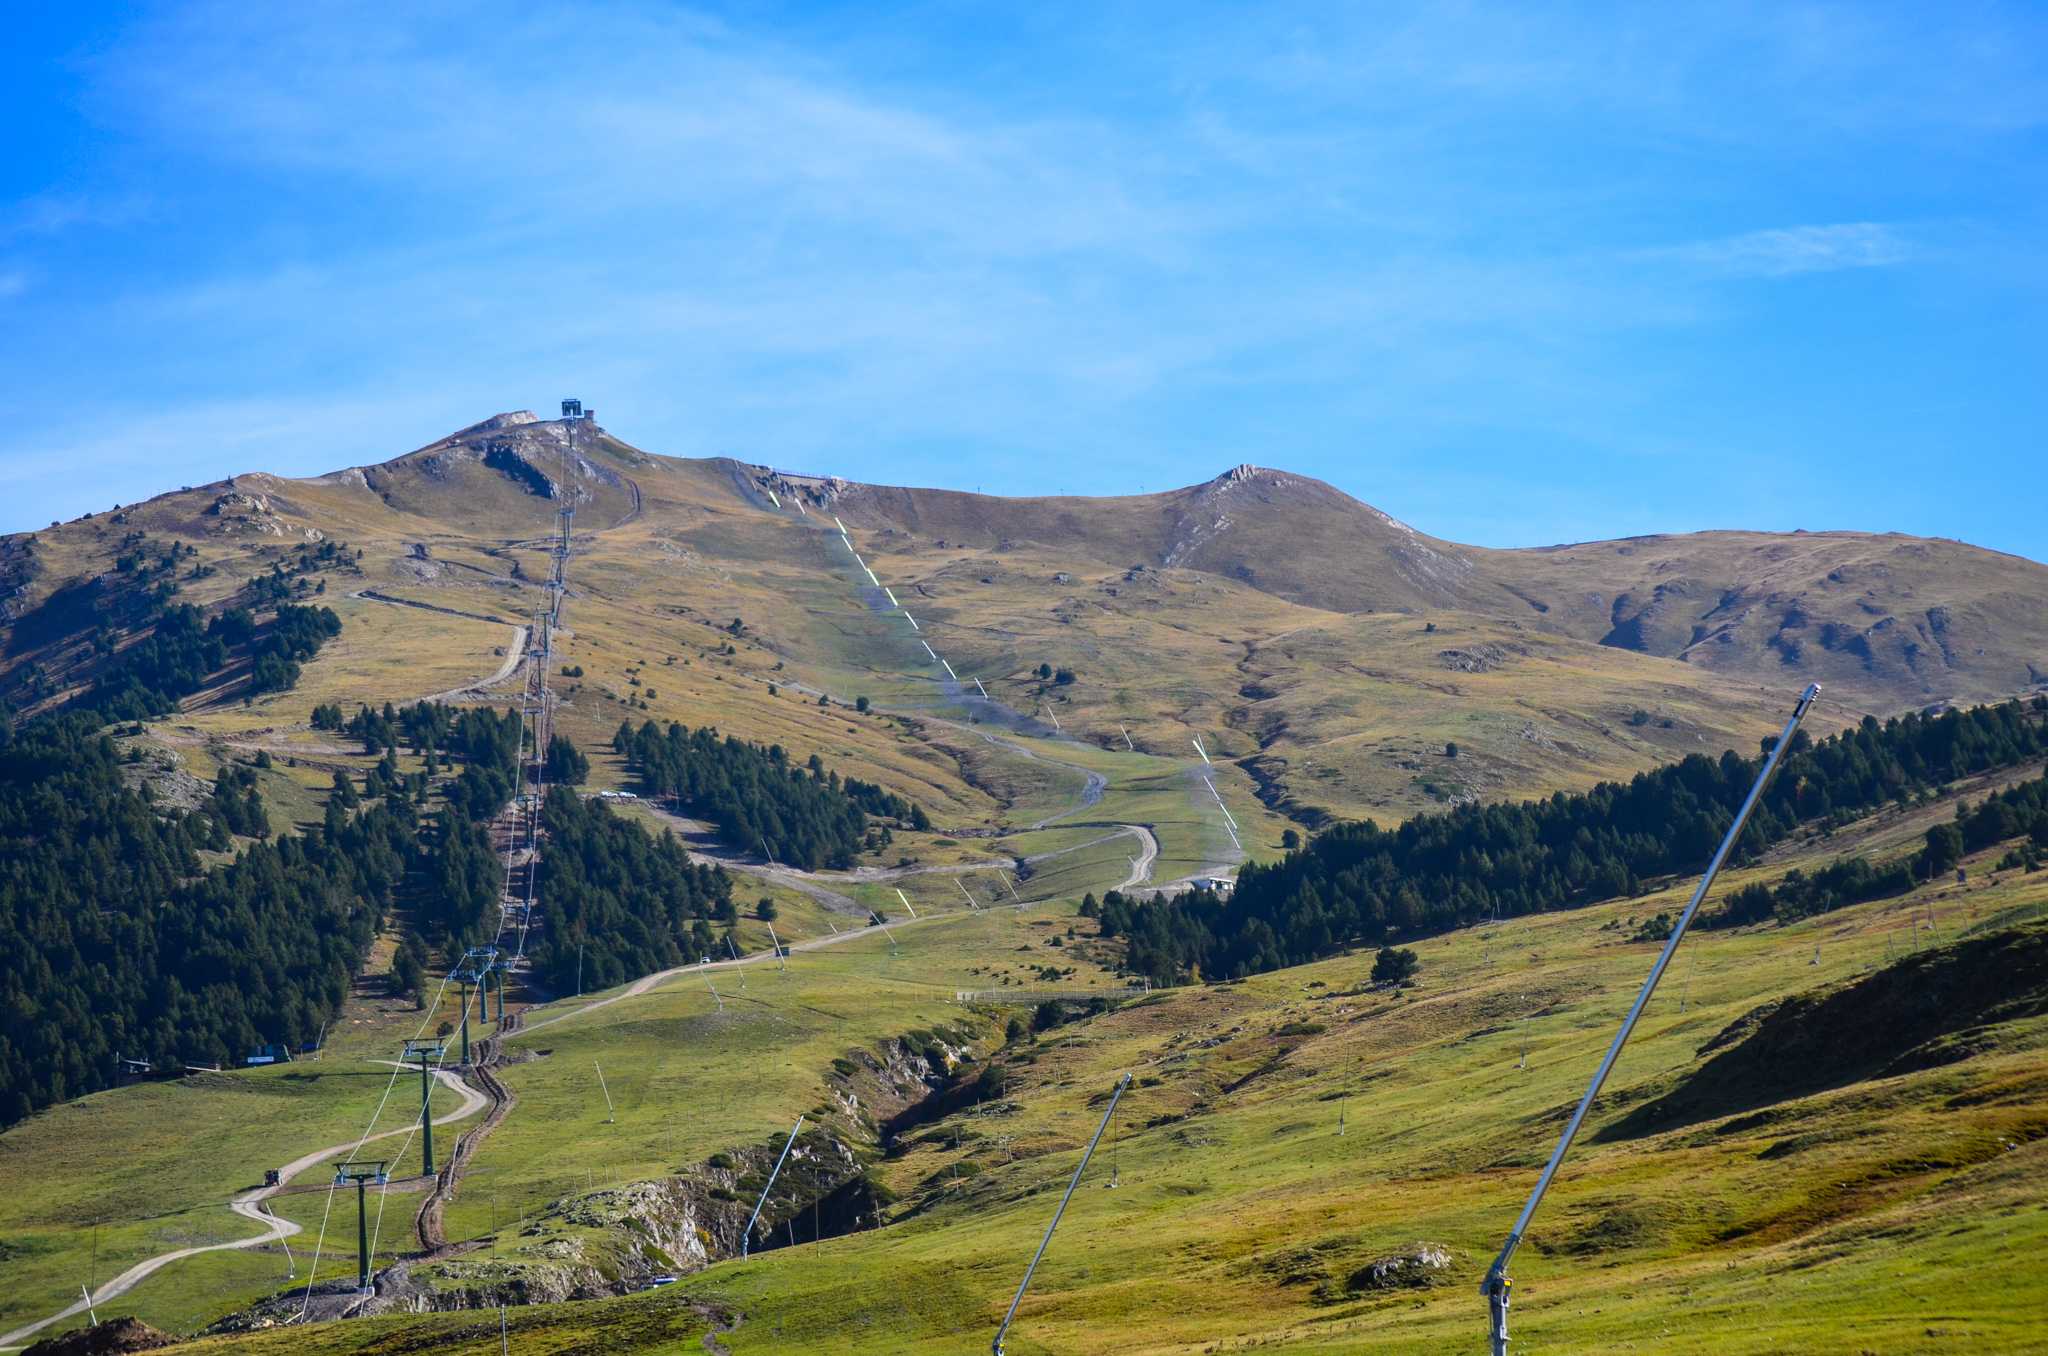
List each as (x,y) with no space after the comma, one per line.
(509,419)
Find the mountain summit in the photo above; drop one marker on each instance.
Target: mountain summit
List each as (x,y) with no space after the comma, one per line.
(1888,622)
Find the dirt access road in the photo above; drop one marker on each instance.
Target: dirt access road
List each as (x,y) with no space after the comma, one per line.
(250,1205)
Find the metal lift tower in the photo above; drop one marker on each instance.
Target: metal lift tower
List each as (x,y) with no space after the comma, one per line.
(1497,1285)
(423,1051)
(474,968)
(362,1174)
(501,969)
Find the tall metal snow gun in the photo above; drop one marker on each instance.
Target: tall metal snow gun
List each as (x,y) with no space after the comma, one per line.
(1497,1285)
(747,1238)
(997,1346)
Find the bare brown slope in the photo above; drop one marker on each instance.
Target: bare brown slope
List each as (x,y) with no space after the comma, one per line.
(1888,620)
(508,473)
(1292,536)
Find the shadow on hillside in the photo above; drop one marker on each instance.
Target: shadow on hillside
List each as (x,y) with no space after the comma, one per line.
(1930,1009)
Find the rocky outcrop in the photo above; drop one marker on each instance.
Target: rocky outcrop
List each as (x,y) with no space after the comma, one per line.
(1410,1269)
(238,512)
(104,1339)
(1480,658)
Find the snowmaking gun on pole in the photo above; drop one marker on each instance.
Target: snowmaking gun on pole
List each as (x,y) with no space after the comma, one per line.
(1497,1285)
(996,1347)
(747,1238)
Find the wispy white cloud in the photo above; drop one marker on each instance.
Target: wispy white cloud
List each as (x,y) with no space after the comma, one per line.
(48,214)
(1787,250)
(593,114)
(1006,238)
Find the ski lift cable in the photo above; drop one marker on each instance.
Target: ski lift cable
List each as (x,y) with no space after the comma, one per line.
(321,1239)
(405,1147)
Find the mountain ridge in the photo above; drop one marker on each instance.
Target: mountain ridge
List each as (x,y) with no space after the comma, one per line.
(1291,626)
(1888,654)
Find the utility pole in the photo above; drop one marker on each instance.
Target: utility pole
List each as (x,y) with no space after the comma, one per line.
(362,1174)
(424,1051)
(1497,1285)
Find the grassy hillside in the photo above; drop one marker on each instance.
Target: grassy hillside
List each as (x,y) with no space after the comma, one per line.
(1862,1216)
(1327,659)
(1889,620)
(103,1182)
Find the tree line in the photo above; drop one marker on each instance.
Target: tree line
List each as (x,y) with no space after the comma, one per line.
(152,651)
(115,940)
(118,939)
(183,653)
(2017,813)
(484,741)
(808,817)
(1360,884)
(619,901)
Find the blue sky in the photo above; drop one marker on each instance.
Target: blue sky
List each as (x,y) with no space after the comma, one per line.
(1516,274)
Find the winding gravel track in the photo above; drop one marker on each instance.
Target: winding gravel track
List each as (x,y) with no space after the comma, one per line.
(250,1205)
(1147,854)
